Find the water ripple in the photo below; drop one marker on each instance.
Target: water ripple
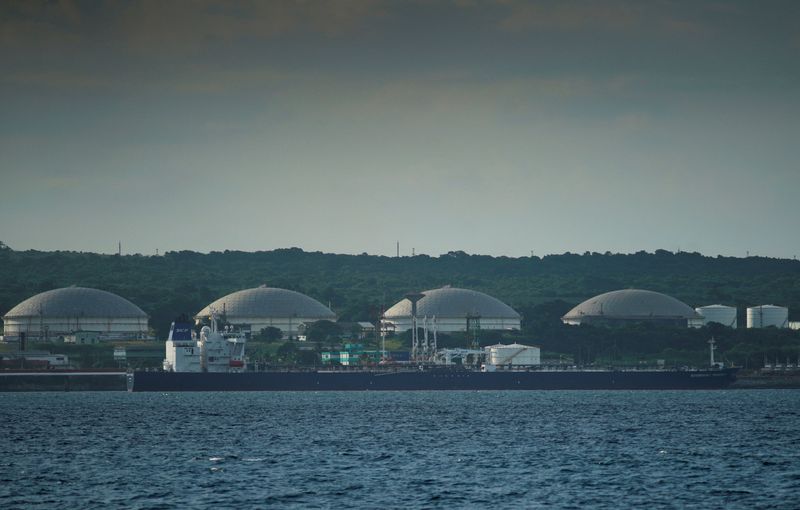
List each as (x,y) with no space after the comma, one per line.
(724,449)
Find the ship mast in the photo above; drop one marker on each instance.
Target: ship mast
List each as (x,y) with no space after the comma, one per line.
(712,346)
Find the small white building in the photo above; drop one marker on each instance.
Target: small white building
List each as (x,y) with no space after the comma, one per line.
(365,329)
(764,316)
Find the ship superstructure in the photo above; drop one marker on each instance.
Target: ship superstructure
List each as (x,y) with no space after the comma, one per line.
(220,351)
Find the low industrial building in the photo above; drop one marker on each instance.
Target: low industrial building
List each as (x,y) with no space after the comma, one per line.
(57,314)
(33,360)
(450,309)
(351,355)
(82,338)
(252,310)
(628,306)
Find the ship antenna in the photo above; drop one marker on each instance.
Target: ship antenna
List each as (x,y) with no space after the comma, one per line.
(213,317)
(435,329)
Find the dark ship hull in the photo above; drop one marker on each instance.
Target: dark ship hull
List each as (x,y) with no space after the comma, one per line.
(433,379)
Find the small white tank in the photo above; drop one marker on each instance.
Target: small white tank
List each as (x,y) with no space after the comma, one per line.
(764,316)
(512,354)
(721,314)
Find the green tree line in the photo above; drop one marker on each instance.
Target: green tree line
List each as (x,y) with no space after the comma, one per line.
(359,287)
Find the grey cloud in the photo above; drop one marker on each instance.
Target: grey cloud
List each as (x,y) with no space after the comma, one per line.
(571,15)
(57,78)
(165,28)
(546,112)
(26,26)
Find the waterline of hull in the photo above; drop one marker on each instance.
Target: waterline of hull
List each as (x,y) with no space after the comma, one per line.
(421,381)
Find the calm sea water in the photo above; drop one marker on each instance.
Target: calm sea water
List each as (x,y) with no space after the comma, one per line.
(721,449)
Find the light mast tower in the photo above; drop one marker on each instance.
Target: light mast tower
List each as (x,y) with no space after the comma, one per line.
(416,355)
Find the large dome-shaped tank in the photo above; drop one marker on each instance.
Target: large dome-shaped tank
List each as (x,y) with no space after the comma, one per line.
(764,316)
(57,313)
(721,314)
(263,307)
(631,305)
(451,307)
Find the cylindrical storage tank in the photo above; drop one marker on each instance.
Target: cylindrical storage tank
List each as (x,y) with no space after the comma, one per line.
(512,354)
(721,314)
(764,316)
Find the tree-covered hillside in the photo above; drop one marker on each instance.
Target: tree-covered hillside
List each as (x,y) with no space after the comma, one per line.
(358,286)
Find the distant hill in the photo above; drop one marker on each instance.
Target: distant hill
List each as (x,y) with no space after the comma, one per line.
(358,286)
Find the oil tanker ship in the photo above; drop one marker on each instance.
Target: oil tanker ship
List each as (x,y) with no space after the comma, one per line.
(215,362)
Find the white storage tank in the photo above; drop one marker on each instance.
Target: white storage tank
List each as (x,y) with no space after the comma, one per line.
(512,354)
(57,314)
(721,314)
(452,308)
(263,307)
(764,316)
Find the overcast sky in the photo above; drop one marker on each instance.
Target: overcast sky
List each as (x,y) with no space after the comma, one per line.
(491,127)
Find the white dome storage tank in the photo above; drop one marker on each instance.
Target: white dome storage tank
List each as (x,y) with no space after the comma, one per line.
(721,314)
(630,306)
(764,316)
(512,354)
(58,313)
(264,307)
(452,307)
